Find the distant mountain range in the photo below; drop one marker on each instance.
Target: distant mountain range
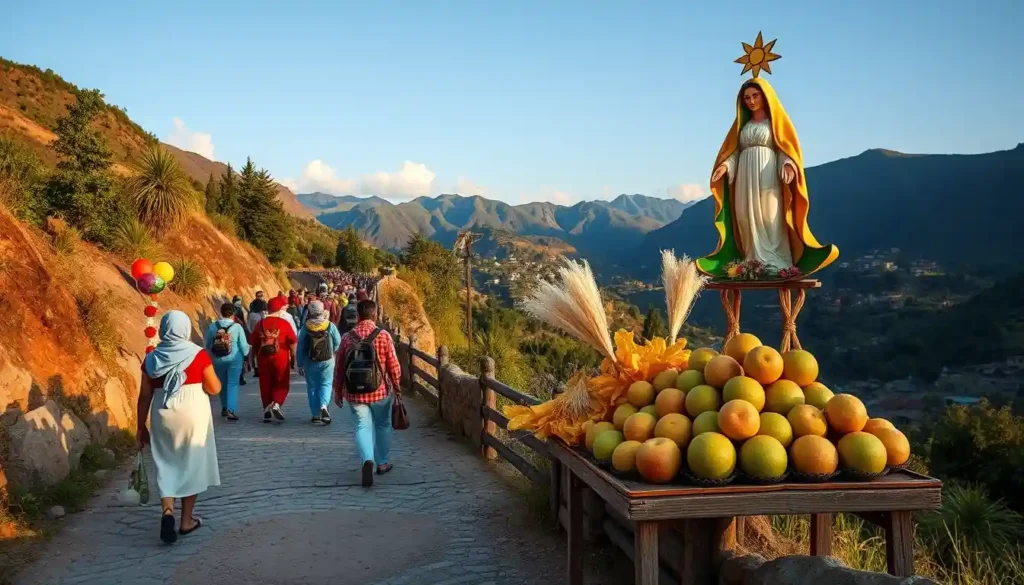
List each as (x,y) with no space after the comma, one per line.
(591,227)
(955,209)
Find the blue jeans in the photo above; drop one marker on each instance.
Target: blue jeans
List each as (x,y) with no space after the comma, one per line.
(229,371)
(319,384)
(373,429)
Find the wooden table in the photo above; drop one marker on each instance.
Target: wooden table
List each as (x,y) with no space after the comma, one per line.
(731,292)
(708,514)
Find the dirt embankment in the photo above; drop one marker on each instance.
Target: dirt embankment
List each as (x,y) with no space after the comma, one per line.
(402,306)
(72,341)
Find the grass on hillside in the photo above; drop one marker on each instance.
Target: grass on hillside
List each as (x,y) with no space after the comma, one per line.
(133,239)
(96,313)
(189,279)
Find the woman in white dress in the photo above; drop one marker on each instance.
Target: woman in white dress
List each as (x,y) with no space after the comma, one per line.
(177,380)
(760,193)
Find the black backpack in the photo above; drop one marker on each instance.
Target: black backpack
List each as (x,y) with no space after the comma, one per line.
(362,371)
(319,348)
(222,341)
(350,316)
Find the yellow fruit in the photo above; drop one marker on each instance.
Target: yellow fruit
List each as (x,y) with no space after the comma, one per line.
(807,420)
(740,345)
(706,422)
(720,370)
(700,358)
(623,412)
(817,395)
(594,431)
(605,444)
(775,425)
(624,456)
(877,424)
(799,366)
(639,427)
(782,396)
(763,364)
(711,456)
(897,447)
(763,457)
(651,410)
(676,427)
(670,400)
(702,399)
(586,426)
(665,379)
(846,413)
(640,394)
(739,420)
(814,455)
(689,379)
(862,452)
(744,388)
(658,460)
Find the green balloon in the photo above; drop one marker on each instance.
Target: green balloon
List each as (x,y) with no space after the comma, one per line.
(158,285)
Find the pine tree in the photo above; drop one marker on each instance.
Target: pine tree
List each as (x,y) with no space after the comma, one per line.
(228,201)
(352,254)
(654,325)
(261,216)
(211,196)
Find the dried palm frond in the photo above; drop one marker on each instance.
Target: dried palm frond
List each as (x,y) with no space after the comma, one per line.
(573,305)
(682,284)
(563,416)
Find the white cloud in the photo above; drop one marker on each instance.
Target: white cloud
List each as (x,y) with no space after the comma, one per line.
(186,139)
(562,198)
(412,180)
(687,193)
(318,176)
(464,186)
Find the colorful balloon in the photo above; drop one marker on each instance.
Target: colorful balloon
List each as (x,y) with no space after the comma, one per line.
(164,271)
(141,267)
(158,286)
(150,284)
(150,331)
(150,311)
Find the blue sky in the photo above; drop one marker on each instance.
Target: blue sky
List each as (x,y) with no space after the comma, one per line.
(525,100)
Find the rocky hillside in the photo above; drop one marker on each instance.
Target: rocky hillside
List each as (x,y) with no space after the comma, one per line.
(72,342)
(31,101)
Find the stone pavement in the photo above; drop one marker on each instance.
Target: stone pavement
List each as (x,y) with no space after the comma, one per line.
(290,510)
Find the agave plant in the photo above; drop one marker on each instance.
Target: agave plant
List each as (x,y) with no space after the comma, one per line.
(978,522)
(132,239)
(161,189)
(189,279)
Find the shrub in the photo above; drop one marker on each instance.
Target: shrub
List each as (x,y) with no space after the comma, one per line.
(161,190)
(132,239)
(225,224)
(95,311)
(21,175)
(978,523)
(189,279)
(95,457)
(65,240)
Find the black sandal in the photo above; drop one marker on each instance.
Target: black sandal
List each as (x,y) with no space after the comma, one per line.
(167,533)
(367,474)
(199,524)
(382,469)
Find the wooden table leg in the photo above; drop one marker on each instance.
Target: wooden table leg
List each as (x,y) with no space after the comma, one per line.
(899,543)
(574,532)
(741,528)
(645,554)
(695,568)
(821,535)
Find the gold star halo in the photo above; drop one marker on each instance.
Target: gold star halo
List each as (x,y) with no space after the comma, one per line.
(758,57)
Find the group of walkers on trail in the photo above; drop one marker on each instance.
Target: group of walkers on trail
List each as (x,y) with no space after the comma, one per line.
(329,335)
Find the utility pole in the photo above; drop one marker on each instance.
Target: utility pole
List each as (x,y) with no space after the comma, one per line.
(464,244)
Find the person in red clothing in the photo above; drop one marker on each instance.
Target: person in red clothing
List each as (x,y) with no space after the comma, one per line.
(371,407)
(273,340)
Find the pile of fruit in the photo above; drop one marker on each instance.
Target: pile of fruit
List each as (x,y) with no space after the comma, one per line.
(749,407)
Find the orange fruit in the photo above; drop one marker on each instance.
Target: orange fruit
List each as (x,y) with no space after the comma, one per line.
(623,412)
(897,447)
(782,396)
(720,370)
(676,427)
(862,452)
(846,413)
(665,379)
(640,394)
(813,454)
(711,456)
(595,430)
(807,420)
(744,388)
(639,427)
(739,420)
(670,400)
(658,460)
(702,399)
(877,424)
(624,456)
(763,364)
(799,366)
(775,425)
(817,394)
(739,345)
(699,358)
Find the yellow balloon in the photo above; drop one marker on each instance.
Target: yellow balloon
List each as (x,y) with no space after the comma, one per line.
(164,271)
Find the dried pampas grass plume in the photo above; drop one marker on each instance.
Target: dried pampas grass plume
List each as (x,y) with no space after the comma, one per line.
(573,305)
(682,284)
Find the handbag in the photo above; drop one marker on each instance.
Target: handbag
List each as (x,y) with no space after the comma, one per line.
(399,416)
(140,483)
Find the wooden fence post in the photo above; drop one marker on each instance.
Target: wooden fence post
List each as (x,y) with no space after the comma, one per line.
(412,378)
(488,399)
(443,358)
(555,485)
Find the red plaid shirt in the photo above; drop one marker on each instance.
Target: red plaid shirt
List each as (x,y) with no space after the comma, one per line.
(386,355)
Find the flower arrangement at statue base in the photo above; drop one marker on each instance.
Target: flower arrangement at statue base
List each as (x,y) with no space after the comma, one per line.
(757,270)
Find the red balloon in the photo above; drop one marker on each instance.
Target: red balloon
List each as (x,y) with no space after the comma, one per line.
(140,267)
(149,349)
(150,311)
(150,332)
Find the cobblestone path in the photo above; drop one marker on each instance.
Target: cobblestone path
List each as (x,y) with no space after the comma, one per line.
(291,511)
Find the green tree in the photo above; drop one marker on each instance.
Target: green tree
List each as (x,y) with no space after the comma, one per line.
(211,196)
(162,192)
(352,255)
(654,325)
(228,200)
(21,176)
(261,217)
(82,188)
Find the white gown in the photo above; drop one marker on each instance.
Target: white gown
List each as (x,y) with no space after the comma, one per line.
(755,172)
(182,442)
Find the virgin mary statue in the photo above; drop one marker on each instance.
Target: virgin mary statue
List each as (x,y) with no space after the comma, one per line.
(760,193)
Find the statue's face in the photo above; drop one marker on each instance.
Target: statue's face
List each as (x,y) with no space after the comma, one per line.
(753,99)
